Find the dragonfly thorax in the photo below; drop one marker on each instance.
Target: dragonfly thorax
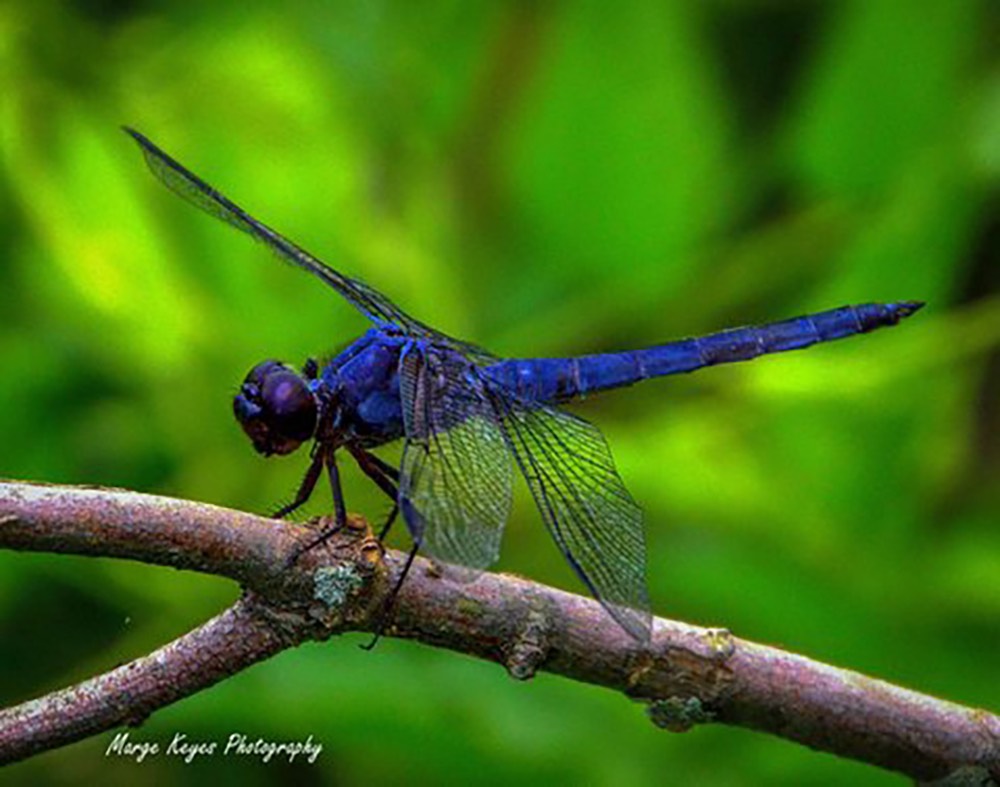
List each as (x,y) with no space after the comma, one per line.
(276,408)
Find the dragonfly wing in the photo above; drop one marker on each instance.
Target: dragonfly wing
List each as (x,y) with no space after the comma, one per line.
(456,475)
(584,503)
(186,184)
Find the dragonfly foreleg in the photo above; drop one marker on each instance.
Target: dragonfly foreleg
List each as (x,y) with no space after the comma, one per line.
(305,488)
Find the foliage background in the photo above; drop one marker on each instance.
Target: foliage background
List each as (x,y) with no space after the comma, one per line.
(543,178)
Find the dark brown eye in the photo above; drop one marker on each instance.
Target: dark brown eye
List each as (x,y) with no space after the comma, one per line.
(276,408)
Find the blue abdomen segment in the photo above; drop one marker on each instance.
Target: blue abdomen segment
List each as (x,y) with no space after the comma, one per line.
(561,379)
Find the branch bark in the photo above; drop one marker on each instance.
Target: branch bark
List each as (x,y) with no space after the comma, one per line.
(688,675)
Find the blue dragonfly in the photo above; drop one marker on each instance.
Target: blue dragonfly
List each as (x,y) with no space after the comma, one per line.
(469,418)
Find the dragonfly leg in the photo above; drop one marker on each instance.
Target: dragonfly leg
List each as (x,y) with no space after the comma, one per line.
(305,488)
(382,465)
(385,476)
(388,522)
(387,607)
(339,510)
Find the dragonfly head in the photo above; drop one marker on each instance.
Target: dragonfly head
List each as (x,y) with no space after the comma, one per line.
(276,408)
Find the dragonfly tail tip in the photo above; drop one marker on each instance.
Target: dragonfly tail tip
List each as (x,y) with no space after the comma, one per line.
(906,308)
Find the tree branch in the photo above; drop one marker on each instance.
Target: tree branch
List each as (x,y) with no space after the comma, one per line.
(229,642)
(688,675)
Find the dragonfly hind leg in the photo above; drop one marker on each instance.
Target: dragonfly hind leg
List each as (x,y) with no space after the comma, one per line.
(385,476)
(388,606)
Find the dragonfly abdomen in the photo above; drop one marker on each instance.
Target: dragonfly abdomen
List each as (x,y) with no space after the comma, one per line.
(744,344)
(561,379)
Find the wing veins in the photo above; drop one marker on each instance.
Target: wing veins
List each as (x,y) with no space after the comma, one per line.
(560,488)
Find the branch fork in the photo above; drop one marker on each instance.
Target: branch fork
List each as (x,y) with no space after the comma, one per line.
(687,675)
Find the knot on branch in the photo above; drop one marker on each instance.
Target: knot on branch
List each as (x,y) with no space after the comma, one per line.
(699,678)
(695,663)
(530,645)
(678,714)
(334,585)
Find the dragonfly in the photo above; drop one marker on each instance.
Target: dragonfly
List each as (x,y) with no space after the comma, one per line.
(469,419)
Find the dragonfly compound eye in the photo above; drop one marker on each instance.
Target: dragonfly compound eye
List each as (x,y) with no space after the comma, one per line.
(276,408)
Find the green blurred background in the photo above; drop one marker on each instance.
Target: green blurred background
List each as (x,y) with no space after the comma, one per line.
(541,178)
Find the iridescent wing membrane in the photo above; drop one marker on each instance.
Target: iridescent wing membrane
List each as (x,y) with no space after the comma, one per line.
(462,431)
(455,489)
(371,303)
(456,475)
(583,501)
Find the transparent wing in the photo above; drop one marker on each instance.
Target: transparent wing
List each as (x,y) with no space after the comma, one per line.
(456,475)
(367,300)
(584,503)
